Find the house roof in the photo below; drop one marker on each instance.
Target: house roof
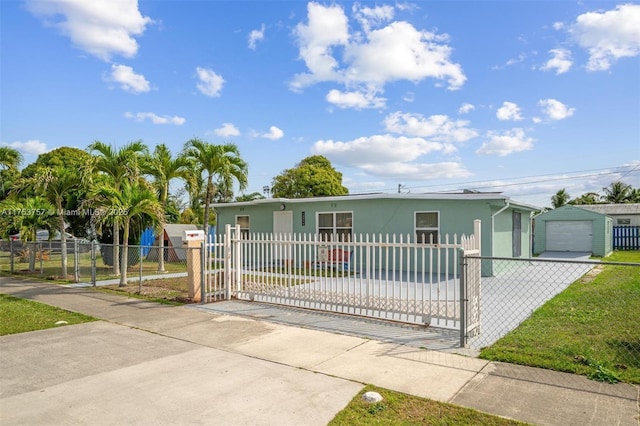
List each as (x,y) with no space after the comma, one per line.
(496,196)
(617,209)
(577,213)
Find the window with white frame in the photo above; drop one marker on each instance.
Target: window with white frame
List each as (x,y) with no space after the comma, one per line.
(335,226)
(622,221)
(243,221)
(427,227)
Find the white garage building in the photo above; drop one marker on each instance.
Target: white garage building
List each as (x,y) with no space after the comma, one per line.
(574,229)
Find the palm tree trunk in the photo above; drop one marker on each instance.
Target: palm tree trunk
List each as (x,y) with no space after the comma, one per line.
(32,248)
(116,249)
(125,255)
(161,239)
(207,201)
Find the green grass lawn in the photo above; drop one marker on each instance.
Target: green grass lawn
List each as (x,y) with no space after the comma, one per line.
(401,409)
(592,328)
(21,315)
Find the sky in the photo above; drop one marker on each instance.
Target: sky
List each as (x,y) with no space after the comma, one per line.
(519,97)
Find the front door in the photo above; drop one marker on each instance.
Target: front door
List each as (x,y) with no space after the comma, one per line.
(283,223)
(282,230)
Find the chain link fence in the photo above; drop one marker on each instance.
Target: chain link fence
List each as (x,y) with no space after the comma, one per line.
(575,316)
(91,264)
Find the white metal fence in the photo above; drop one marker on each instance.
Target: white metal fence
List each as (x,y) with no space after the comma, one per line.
(381,276)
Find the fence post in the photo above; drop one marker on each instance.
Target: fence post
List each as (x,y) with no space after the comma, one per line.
(237,255)
(93,262)
(11,256)
(203,269)
(140,270)
(76,261)
(463,299)
(39,250)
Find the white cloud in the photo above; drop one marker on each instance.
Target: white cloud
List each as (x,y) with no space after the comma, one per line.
(608,36)
(255,36)
(370,58)
(506,143)
(466,108)
(367,186)
(560,61)
(32,147)
(372,16)
(438,128)
(401,52)
(101,28)
(409,97)
(521,57)
(210,83)
(555,110)
(376,149)
(156,119)
(327,27)
(274,134)
(129,81)
(418,171)
(227,130)
(390,156)
(509,111)
(356,100)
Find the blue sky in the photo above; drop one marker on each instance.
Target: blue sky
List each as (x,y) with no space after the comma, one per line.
(522,97)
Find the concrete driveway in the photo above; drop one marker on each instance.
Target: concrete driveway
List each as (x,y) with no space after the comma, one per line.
(519,287)
(565,255)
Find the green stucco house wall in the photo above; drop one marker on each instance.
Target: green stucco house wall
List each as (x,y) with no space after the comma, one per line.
(505,224)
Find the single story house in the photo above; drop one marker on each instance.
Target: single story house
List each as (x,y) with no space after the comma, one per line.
(574,229)
(622,214)
(505,223)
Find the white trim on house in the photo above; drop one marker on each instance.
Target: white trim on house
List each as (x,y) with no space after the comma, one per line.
(426,229)
(335,228)
(392,196)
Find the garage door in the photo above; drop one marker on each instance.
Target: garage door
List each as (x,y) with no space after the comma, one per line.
(564,235)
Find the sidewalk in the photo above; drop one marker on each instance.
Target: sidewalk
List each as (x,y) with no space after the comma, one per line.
(150,363)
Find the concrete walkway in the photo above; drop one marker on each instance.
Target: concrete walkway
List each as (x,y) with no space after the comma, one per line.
(147,363)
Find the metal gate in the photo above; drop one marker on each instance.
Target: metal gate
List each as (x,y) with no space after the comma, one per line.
(379,276)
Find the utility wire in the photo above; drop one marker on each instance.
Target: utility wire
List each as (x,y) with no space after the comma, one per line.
(627,170)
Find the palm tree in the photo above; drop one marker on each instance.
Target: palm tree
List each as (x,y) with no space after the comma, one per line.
(9,158)
(118,165)
(617,193)
(133,201)
(164,168)
(560,198)
(588,198)
(55,184)
(222,162)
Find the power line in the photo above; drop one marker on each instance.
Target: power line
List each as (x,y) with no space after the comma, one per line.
(627,170)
